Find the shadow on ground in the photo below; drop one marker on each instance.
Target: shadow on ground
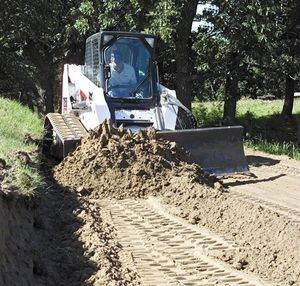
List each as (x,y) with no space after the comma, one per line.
(257,161)
(56,225)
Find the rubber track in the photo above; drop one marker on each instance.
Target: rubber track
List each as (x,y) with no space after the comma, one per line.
(67,126)
(168,250)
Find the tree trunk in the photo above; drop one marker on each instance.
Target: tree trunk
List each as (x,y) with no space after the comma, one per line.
(287,109)
(183,50)
(183,75)
(45,77)
(30,101)
(231,90)
(48,85)
(26,98)
(231,95)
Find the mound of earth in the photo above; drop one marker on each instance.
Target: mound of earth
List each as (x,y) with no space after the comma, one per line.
(117,163)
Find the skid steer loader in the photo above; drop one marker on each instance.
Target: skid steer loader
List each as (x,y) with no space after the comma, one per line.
(120,81)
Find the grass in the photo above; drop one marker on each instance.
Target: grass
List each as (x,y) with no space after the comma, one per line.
(277,148)
(265,129)
(20,128)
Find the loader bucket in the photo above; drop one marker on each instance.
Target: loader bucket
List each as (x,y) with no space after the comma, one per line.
(217,150)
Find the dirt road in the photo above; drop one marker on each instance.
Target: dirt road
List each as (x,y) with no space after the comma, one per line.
(274,183)
(179,226)
(168,250)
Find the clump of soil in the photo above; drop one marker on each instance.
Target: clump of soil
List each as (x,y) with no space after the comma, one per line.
(118,163)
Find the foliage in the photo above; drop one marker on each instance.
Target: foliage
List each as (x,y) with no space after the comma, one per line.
(248,50)
(249,43)
(276,148)
(208,114)
(28,181)
(35,37)
(16,124)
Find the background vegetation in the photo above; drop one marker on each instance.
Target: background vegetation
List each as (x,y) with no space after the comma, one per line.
(264,128)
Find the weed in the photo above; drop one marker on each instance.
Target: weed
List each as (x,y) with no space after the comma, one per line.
(28,181)
(208,114)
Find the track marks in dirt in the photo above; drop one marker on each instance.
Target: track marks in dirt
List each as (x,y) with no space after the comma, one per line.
(168,250)
(272,187)
(291,214)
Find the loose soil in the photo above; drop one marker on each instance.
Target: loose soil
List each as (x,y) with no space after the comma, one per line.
(128,209)
(118,164)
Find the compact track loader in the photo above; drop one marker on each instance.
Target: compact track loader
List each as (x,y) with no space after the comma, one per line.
(120,81)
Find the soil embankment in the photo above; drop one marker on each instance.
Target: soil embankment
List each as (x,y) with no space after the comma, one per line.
(17,255)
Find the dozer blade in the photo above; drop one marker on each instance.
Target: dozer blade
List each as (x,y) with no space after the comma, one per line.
(217,150)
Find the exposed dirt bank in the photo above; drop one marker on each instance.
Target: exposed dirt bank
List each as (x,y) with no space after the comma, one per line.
(17,253)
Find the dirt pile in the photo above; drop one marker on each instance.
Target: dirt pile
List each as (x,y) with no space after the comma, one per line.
(118,163)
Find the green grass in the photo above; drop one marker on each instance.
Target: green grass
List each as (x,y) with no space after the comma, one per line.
(18,122)
(277,148)
(265,129)
(263,108)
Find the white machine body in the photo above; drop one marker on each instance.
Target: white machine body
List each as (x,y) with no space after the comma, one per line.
(86,100)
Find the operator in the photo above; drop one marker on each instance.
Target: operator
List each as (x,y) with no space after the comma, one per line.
(121,73)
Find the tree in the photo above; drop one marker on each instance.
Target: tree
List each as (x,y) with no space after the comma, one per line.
(290,39)
(251,48)
(172,21)
(35,37)
(183,45)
